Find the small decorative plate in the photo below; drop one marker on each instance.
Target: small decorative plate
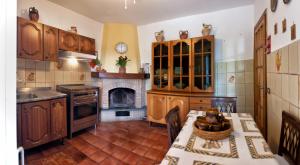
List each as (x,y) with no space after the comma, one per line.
(274,5)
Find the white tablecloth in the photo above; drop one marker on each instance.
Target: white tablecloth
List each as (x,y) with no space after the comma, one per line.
(245,146)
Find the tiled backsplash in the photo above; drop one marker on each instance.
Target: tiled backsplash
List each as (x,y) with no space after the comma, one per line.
(283,73)
(235,78)
(49,74)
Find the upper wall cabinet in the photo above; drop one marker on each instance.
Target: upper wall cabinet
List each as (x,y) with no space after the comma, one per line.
(160,58)
(203,64)
(68,41)
(50,43)
(180,62)
(184,65)
(30,39)
(86,45)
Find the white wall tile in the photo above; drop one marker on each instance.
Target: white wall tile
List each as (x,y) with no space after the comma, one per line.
(293,58)
(284,53)
(293,89)
(285,87)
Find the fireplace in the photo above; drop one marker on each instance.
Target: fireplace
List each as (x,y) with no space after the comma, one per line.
(121,98)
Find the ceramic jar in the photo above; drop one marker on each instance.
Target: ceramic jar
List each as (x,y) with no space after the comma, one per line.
(33,14)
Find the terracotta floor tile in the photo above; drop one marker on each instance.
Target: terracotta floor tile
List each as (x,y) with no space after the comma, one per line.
(154,154)
(141,150)
(120,153)
(131,142)
(87,162)
(129,145)
(99,156)
(111,161)
(100,143)
(131,159)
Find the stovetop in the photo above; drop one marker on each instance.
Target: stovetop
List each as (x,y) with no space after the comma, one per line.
(75,87)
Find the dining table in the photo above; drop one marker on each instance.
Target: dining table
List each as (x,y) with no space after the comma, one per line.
(244,146)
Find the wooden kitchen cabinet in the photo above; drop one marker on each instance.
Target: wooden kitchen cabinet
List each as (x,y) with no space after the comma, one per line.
(30,39)
(58,118)
(157,108)
(182,103)
(68,41)
(41,122)
(35,124)
(87,45)
(50,43)
(159,105)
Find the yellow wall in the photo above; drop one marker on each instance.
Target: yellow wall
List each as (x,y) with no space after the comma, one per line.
(114,33)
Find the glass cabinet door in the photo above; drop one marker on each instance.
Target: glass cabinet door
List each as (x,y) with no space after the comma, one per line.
(181,65)
(160,65)
(202,64)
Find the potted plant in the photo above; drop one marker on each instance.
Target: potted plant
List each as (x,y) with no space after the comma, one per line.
(122,62)
(95,64)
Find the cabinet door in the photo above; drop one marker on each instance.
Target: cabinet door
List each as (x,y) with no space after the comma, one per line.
(68,41)
(58,118)
(157,108)
(30,39)
(182,103)
(180,72)
(160,65)
(86,45)
(50,43)
(203,64)
(35,124)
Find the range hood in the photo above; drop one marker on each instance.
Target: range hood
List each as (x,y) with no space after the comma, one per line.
(76,55)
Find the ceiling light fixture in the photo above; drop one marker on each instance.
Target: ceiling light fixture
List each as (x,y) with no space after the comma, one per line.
(126,4)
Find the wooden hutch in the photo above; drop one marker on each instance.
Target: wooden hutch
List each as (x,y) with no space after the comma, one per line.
(182,74)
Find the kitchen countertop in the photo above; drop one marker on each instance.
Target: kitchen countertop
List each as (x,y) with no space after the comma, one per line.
(26,95)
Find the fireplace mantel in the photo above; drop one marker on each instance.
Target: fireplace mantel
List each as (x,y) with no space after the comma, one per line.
(120,75)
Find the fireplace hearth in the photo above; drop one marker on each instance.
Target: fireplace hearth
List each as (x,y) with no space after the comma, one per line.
(121,98)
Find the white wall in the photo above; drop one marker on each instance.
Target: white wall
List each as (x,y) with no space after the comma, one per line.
(291,12)
(8,129)
(233,29)
(60,17)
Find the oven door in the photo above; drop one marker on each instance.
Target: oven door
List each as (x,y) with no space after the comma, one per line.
(85,111)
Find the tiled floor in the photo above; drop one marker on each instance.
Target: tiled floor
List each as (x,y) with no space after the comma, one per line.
(132,142)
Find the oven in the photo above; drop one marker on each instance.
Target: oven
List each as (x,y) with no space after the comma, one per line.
(83,106)
(84,109)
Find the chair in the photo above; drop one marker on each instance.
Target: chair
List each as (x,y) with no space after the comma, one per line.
(173,124)
(227,105)
(289,145)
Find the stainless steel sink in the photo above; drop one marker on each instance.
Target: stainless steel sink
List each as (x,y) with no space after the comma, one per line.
(27,96)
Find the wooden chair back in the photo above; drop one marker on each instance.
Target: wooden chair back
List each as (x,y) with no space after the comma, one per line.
(289,145)
(225,105)
(173,124)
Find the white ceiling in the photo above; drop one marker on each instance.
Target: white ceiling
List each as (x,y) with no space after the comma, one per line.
(146,11)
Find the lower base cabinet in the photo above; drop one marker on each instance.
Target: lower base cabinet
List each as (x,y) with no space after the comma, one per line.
(159,104)
(41,122)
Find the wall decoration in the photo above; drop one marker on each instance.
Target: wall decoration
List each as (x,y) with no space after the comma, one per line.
(159,36)
(183,34)
(275,28)
(286,1)
(284,26)
(206,29)
(274,5)
(293,32)
(121,47)
(278,61)
(33,14)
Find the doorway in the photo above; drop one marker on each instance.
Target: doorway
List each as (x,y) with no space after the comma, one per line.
(260,74)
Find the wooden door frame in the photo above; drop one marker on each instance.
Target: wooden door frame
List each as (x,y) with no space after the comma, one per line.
(262,18)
